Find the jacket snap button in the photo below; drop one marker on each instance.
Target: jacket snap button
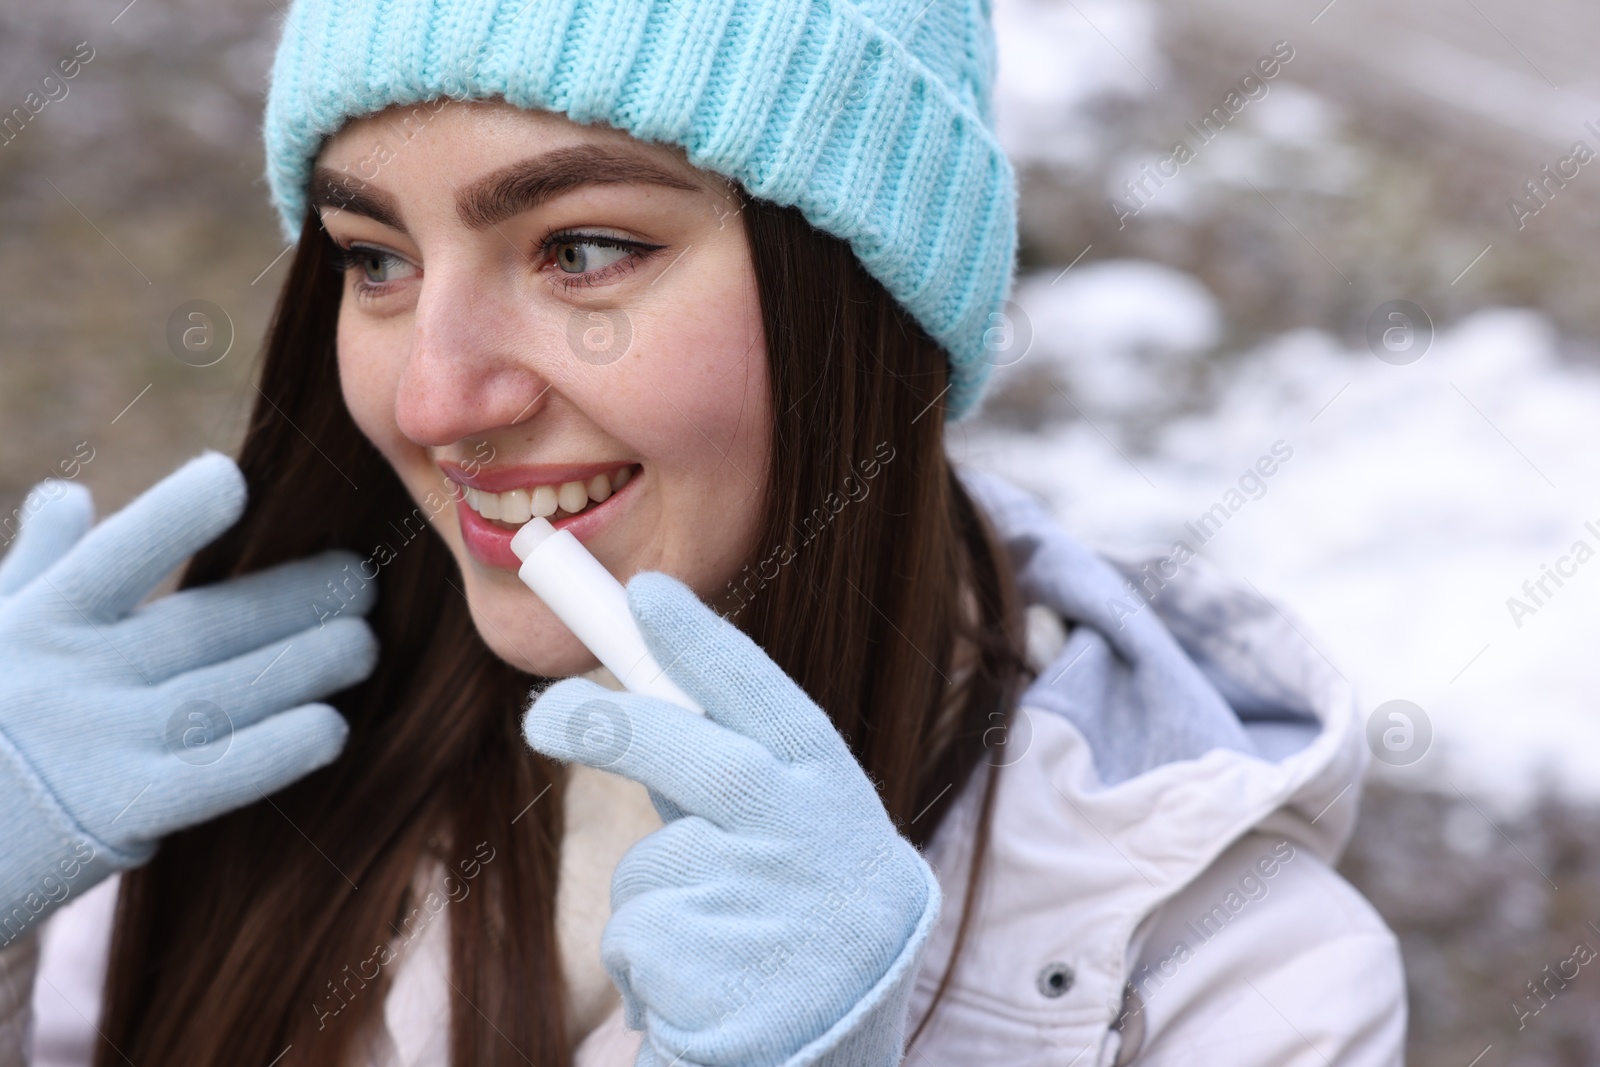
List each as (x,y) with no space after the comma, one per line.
(1055,979)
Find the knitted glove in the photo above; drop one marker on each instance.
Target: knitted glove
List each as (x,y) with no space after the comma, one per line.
(778,917)
(120,724)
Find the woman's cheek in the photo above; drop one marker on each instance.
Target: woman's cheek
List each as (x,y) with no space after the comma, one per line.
(369,385)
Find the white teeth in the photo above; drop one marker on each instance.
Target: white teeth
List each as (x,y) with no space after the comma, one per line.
(573,496)
(517,506)
(544,501)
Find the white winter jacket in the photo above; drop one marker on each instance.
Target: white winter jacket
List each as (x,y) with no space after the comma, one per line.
(1159,888)
(1187,913)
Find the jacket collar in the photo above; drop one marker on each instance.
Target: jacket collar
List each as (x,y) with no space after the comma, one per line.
(1186,673)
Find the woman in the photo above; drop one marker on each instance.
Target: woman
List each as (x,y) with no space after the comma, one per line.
(701,283)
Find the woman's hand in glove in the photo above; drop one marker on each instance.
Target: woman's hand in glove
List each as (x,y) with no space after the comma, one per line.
(121,724)
(780,917)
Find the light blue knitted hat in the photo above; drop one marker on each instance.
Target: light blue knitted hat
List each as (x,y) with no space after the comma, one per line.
(873,117)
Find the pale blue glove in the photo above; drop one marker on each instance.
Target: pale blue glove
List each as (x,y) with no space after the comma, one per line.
(121,724)
(780,918)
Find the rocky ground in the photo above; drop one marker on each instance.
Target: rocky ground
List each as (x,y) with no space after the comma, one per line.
(1482,909)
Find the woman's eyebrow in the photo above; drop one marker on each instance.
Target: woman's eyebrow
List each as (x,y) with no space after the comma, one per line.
(329,188)
(526,184)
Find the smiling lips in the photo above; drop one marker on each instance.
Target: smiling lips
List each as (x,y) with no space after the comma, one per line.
(555,501)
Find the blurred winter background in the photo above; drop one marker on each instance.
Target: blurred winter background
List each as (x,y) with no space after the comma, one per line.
(1175,320)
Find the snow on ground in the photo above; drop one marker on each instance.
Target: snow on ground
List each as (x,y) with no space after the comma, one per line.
(1417,499)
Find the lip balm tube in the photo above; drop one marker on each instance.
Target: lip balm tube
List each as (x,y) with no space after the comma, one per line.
(594,606)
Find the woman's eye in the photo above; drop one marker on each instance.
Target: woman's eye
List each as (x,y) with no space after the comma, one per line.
(377,266)
(580,257)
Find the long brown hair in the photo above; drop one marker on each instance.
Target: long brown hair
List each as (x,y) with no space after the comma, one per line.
(262,933)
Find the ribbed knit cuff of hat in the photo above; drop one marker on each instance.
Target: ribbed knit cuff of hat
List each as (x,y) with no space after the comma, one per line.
(872,117)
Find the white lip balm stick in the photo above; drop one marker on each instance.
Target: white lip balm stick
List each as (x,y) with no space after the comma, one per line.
(594,606)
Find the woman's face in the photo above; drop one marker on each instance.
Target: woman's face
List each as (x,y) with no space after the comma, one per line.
(549,318)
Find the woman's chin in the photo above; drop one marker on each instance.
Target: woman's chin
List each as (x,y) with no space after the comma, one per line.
(519,629)
(551,652)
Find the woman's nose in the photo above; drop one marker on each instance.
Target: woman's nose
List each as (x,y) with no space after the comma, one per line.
(474,363)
